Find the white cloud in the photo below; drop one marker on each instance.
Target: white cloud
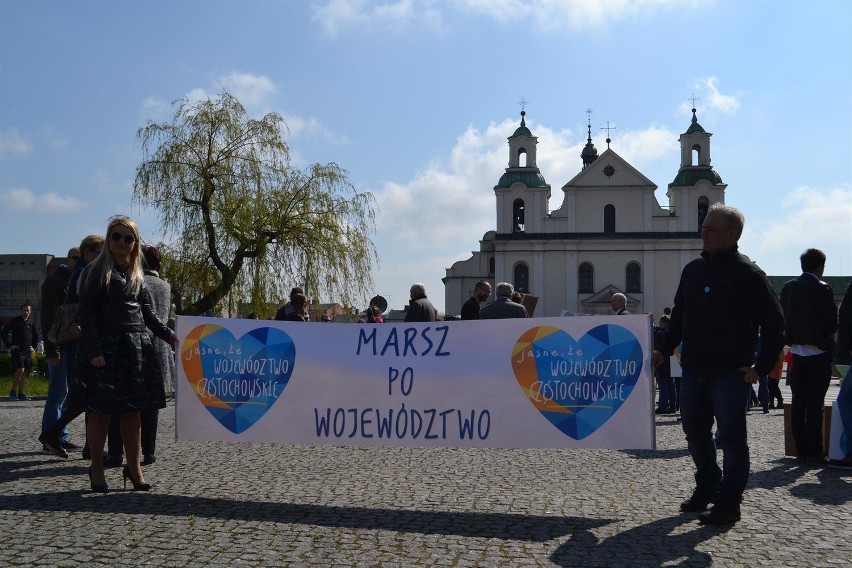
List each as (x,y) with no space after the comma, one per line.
(13,144)
(255,92)
(728,104)
(710,98)
(22,199)
(642,146)
(807,217)
(337,16)
(155,109)
(811,215)
(300,126)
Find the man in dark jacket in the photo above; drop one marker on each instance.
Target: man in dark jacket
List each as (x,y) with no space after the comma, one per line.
(23,346)
(503,307)
(419,307)
(53,293)
(810,322)
(470,309)
(722,300)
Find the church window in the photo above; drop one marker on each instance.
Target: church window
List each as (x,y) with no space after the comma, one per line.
(518,216)
(633,277)
(609,218)
(491,266)
(586,278)
(522,278)
(703,206)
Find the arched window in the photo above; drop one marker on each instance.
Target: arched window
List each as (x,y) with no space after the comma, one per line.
(518,216)
(522,278)
(696,155)
(633,277)
(491,266)
(609,218)
(586,278)
(522,157)
(703,206)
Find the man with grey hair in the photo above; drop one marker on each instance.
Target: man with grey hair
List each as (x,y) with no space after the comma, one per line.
(419,306)
(503,307)
(721,302)
(619,304)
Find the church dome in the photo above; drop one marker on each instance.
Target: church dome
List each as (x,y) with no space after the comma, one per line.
(526,177)
(692,175)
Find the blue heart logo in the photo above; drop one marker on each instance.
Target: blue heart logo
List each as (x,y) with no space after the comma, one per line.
(578,385)
(237,381)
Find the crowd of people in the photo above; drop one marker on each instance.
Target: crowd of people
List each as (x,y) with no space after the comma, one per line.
(728,324)
(114,370)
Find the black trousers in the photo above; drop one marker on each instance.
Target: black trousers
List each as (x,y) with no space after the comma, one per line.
(149,430)
(811,377)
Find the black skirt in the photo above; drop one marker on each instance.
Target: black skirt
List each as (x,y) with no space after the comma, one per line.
(129,382)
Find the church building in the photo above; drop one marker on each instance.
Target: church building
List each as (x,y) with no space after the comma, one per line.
(609,235)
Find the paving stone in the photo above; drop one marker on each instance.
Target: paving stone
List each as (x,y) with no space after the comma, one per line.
(230,504)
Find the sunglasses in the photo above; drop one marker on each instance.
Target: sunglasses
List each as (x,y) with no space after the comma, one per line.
(118,236)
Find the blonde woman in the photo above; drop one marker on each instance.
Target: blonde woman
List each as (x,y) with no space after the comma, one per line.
(116,370)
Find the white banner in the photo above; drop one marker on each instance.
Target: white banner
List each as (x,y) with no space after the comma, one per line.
(578,382)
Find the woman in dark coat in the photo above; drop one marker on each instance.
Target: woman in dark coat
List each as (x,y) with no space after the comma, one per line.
(116,371)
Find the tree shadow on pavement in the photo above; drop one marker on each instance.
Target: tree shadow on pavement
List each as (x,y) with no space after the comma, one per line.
(650,544)
(504,526)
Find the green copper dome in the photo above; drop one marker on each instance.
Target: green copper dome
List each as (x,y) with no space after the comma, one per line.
(526,177)
(692,175)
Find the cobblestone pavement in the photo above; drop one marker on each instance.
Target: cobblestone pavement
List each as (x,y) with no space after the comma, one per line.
(274,505)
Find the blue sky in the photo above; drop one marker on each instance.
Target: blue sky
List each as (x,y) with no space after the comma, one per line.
(415,98)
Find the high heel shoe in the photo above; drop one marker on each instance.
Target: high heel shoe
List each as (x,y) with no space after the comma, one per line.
(125,473)
(97,487)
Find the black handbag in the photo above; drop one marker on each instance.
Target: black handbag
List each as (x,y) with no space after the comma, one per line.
(66,325)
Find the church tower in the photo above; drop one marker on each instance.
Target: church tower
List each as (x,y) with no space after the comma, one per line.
(589,153)
(696,185)
(522,193)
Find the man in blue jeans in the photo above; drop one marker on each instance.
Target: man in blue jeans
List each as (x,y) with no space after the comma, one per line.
(722,300)
(53,293)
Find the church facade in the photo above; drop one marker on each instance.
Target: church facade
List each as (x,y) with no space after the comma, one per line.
(609,235)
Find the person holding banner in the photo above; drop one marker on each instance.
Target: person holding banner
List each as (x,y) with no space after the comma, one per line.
(299,304)
(619,304)
(471,308)
(503,307)
(723,298)
(116,370)
(419,307)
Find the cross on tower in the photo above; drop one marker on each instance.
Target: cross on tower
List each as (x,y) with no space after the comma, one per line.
(523,102)
(693,98)
(607,128)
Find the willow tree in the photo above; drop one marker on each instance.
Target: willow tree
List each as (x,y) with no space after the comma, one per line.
(243,218)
